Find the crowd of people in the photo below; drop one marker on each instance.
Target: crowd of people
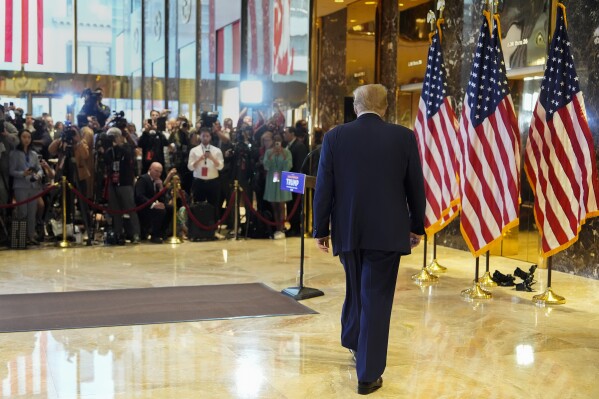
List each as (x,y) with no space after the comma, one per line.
(111,163)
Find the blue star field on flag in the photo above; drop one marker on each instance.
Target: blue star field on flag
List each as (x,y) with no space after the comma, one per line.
(488,84)
(560,82)
(434,86)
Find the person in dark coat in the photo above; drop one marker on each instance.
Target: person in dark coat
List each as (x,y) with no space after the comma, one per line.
(370,190)
(157,217)
(299,151)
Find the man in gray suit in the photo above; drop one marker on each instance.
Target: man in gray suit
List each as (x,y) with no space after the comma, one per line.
(370,190)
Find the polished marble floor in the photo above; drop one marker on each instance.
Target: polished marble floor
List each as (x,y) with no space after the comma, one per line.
(441,345)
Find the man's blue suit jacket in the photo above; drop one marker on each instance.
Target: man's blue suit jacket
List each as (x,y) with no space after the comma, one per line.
(369,187)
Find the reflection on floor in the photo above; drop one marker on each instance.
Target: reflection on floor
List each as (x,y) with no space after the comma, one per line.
(441,346)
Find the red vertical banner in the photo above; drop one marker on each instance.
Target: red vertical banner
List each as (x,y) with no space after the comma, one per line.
(40,32)
(8,37)
(220,56)
(266,35)
(212,35)
(236,47)
(253,67)
(24,31)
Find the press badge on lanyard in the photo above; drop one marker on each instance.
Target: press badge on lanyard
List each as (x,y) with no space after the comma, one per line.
(276,177)
(204,171)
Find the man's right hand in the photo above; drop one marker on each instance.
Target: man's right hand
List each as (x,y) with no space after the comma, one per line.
(322,244)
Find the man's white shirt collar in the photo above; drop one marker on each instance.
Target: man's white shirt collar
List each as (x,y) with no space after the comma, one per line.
(368,112)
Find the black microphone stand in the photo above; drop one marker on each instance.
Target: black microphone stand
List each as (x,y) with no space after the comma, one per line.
(300,292)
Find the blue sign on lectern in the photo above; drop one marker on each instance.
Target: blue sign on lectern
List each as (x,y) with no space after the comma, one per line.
(294,182)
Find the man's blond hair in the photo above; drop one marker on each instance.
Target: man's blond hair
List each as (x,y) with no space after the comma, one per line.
(371,98)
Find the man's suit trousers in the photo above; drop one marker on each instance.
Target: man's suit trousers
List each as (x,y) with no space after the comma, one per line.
(370,285)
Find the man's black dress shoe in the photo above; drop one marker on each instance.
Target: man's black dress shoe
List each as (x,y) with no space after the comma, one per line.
(364,388)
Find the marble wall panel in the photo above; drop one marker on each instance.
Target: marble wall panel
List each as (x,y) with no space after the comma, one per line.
(583,30)
(389,28)
(331,77)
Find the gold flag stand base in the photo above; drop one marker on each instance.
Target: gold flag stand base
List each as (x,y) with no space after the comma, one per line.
(64,244)
(476,292)
(549,298)
(174,240)
(487,281)
(435,268)
(424,277)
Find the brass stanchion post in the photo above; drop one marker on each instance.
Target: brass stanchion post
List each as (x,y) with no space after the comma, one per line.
(424,277)
(236,211)
(549,297)
(486,280)
(434,267)
(175,184)
(64,243)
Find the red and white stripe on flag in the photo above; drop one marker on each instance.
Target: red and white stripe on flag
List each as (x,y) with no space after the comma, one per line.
(260,37)
(560,156)
(229,50)
(23,28)
(490,148)
(435,129)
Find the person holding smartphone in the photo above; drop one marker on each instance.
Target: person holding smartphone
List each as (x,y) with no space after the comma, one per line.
(27,175)
(277,160)
(206,161)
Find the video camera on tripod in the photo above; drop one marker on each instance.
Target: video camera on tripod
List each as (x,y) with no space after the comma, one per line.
(208,118)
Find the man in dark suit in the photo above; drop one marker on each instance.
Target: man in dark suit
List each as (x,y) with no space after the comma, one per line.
(157,216)
(299,151)
(370,188)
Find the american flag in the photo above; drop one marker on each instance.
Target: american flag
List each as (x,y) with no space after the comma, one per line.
(435,129)
(22,23)
(490,148)
(560,156)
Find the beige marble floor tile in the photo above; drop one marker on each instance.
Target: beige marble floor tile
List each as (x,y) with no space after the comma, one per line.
(441,346)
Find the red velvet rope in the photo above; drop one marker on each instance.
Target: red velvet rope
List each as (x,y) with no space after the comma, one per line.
(214,226)
(36,196)
(117,211)
(248,202)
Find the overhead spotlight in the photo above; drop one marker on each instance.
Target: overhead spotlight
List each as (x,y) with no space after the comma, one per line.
(68,98)
(250,92)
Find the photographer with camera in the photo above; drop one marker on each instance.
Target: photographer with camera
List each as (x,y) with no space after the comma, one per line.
(93,107)
(180,146)
(73,155)
(8,141)
(13,117)
(40,138)
(153,141)
(25,168)
(119,161)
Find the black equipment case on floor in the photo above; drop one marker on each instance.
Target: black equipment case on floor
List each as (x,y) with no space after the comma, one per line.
(204,213)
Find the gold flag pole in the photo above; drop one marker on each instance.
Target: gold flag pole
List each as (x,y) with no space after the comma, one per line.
(549,297)
(434,267)
(486,280)
(64,243)
(424,277)
(175,185)
(476,291)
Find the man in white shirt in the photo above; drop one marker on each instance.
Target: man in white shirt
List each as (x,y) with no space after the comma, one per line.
(206,160)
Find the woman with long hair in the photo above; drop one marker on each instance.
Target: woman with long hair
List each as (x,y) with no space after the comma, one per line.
(27,181)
